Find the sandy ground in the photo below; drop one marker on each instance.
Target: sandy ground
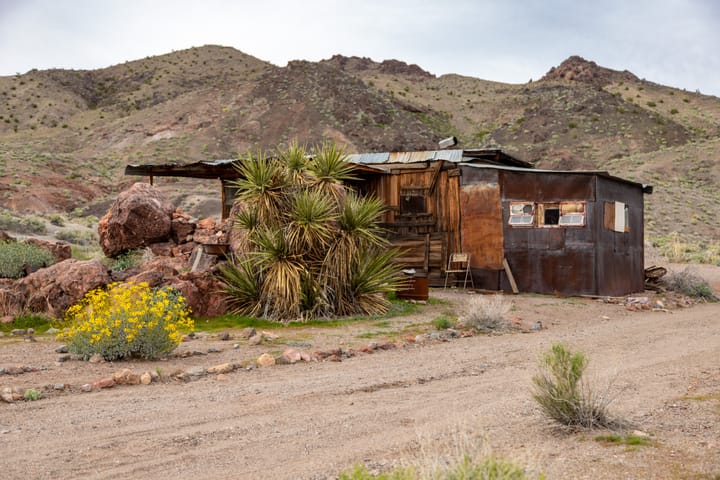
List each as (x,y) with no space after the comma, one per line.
(312,420)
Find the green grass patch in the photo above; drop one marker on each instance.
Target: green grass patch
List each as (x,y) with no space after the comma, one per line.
(703,398)
(443,322)
(627,440)
(398,308)
(38,322)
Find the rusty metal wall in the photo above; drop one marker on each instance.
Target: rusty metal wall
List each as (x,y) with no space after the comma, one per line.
(620,255)
(481,218)
(556,259)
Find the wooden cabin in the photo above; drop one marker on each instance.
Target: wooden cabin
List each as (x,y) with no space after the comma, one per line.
(552,232)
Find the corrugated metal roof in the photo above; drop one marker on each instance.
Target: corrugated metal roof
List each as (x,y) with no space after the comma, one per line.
(602,173)
(455,156)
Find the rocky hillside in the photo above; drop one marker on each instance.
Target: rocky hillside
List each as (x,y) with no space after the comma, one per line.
(65,135)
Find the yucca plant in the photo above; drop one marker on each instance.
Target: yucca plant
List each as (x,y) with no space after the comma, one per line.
(262,185)
(312,247)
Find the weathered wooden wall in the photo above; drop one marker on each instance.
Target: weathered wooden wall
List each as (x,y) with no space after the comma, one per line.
(423,214)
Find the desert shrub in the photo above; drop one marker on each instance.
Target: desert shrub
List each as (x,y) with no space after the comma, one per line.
(691,284)
(562,393)
(26,224)
(487,313)
(16,256)
(31,394)
(77,237)
(128,259)
(57,219)
(127,320)
(443,322)
(360,472)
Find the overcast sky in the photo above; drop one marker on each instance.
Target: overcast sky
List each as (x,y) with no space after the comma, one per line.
(673,42)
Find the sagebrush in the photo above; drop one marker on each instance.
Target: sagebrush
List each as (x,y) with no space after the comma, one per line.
(691,284)
(564,395)
(486,313)
(127,320)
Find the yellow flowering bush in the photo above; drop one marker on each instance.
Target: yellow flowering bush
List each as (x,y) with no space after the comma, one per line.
(127,320)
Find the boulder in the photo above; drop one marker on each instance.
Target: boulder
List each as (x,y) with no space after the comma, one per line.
(54,289)
(202,293)
(181,229)
(59,250)
(140,216)
(162,249)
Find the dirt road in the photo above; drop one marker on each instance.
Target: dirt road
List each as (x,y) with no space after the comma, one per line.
(312,420)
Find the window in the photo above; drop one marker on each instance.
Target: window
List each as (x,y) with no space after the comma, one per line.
(548,214)
(561,214)
(412,200)
(522,214)
(572,214)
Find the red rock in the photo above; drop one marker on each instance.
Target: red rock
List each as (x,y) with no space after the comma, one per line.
(292,355)
(181,229)
(140,216)
(162,249)
(126,377)
(184,249)
(305,357)
(55,288)
(151,277)
(86,388)
(108,382)
(206,223)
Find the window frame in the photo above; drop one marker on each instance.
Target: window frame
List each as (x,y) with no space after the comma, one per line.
(538,209)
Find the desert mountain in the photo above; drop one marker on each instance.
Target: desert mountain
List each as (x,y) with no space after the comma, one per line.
(66,135)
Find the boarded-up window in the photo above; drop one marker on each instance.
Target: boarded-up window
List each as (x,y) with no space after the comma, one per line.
(522,214)
(617,217)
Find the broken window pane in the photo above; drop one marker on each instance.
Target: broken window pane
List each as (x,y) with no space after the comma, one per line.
(522,214)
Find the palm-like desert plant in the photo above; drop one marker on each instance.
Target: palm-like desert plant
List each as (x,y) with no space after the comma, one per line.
(313,248)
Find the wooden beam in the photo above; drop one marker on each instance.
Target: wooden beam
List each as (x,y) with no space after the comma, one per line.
(510,276)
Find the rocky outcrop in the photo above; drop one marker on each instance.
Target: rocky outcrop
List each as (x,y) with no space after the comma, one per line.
(578,69)
(140,216)
(55,288)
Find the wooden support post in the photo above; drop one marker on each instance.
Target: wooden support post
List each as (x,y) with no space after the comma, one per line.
(426,263)
(510,276)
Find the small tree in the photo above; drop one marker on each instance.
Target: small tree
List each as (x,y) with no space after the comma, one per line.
(313,247)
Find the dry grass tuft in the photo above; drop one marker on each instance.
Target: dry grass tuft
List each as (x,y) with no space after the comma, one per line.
(486,313)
